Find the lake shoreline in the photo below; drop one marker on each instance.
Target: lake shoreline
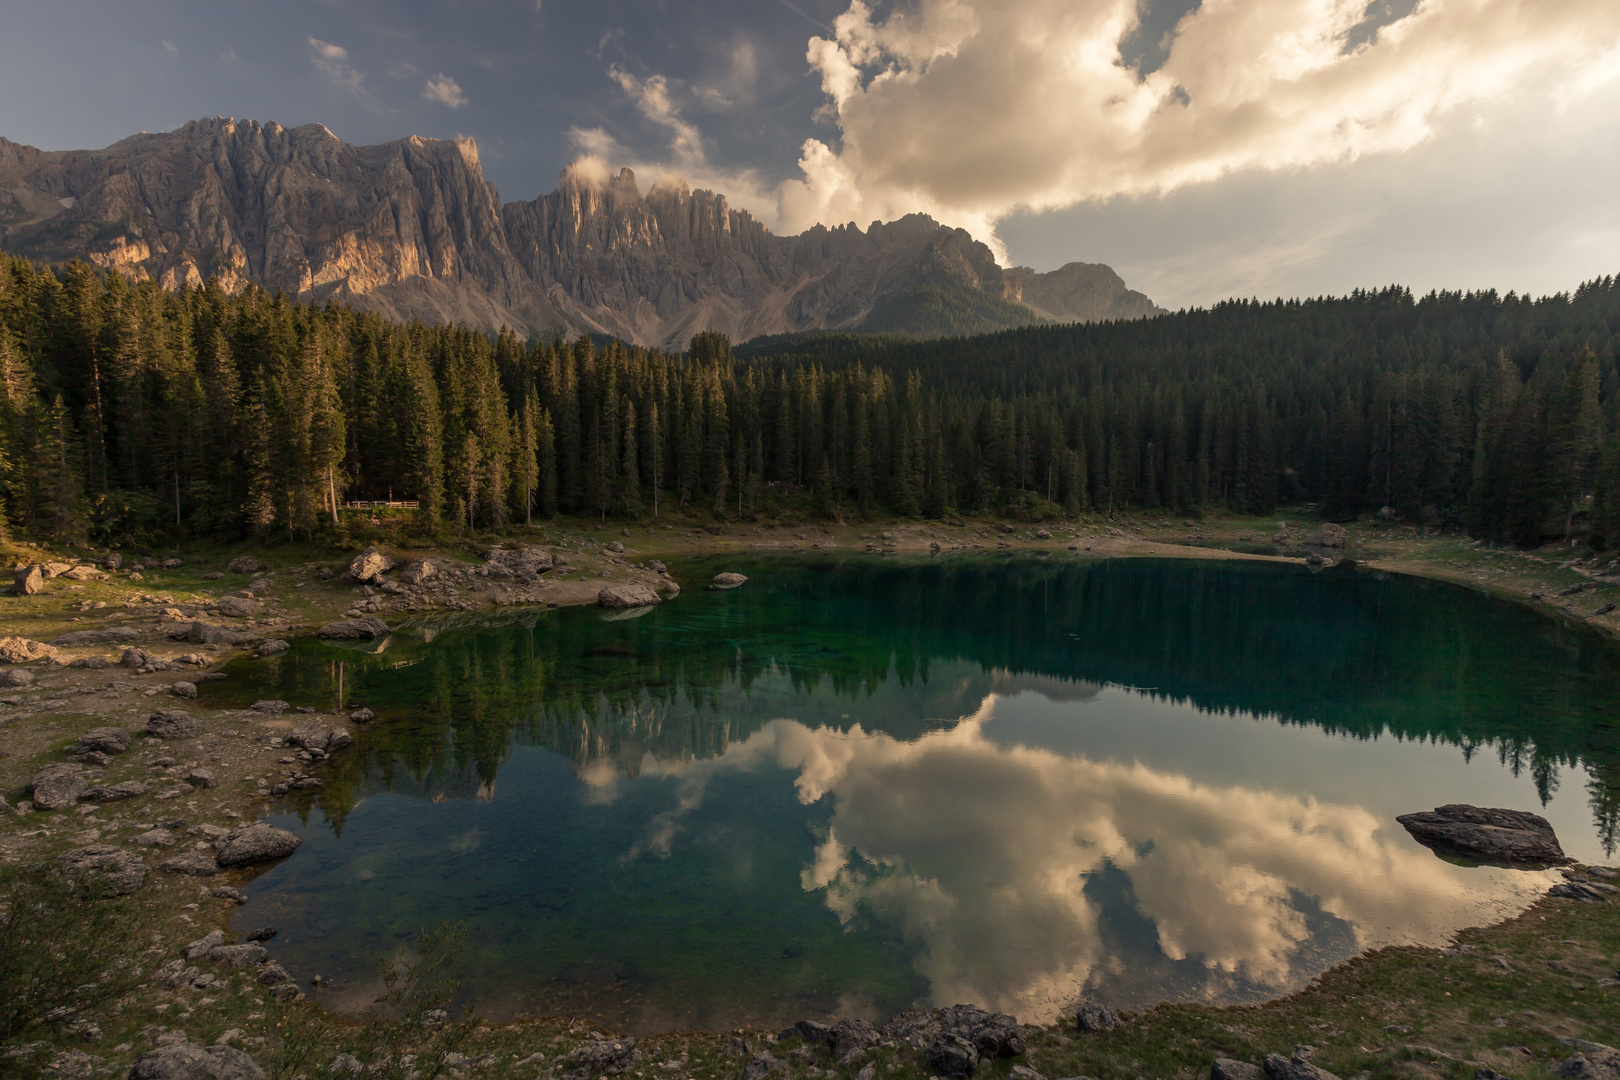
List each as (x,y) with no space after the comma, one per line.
(1395,986)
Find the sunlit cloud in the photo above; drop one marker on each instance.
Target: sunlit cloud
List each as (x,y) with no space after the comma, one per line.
(443,89)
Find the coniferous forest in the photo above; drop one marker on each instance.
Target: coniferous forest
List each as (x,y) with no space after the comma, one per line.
(128,412)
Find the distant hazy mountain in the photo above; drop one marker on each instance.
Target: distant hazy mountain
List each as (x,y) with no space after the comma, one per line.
(412,230)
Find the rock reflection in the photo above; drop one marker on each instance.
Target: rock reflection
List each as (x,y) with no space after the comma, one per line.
(981,856)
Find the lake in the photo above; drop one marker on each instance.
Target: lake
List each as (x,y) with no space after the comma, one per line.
(860,783)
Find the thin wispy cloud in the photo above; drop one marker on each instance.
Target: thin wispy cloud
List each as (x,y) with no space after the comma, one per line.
(333,61)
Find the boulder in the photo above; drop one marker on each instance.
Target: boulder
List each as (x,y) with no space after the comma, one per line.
(762,1065)
(97,637)
(106,793)
(245,564)
(27,580)
(244,955)
(57,787)
(370,565)
(656,566)
(20,650)
(1595,1061)
(362,716)
(417,572)
(340,740)
(173,564)
(173,724)
(256,844)
(953,1056)
(154,838)
(993,1035)
(1092,1017)
(1231,1069)
(84,573)
(183,689)
(108,740)
(202,778)
(113,560)
(122,871)
(729,581)
(273,706)
(16,677)
(192,863)
(311,736)
(364,629)
(90,663)
(623,597)
(201,633)
(1296,1067)
(852,1035)
(1327,535)
(524,563)
(1513,838)
(273,647)
(184,1061)
(606,1057)
(239,607)
(201,947)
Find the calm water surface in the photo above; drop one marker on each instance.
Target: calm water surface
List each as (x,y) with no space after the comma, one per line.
(860,783)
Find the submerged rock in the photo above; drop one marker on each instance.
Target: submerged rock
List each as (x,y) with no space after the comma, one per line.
(1514,838)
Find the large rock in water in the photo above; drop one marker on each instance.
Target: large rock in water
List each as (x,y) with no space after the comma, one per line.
(729,580)
(366,629)
(621,597)
(1513,838)
(183,1061)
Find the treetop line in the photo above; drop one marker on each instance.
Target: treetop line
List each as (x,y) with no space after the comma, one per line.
(129,412)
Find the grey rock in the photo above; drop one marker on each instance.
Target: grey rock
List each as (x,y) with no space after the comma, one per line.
(340,740)
(192,863)
(1327,535)
(245,564)
(310,735)
(173,724)
(16,677)
(225,892)
(1024,1072)
(624,597)
(21,650)
(418,572)
(272,647)
(202,633)
(202,778)
(852,1035)
(107,740)
(183,689)
(362,629)
(362,716)
(239,607)
(1579,890)
(272,706)
(28,580)
(200,948)
(1497,837)
(244,955)
(728,580)
(91,663)
(1297,1066)
(256,844)
(57,787)
(524,563)
(122,871)
(606,1057)
(762,1065)
(656,566)
(1231,1069)
(347,1063)
(106,793)
(953,1056)
(273,975)
(1092,1017)
(1599,1063)
(993,1035)
(154,838)
(183,1061)
(97,637)
(370,565)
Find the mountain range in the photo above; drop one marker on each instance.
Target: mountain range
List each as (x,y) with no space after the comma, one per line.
(411,229)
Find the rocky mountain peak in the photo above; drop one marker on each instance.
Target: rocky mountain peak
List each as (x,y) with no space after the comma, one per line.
(411,229)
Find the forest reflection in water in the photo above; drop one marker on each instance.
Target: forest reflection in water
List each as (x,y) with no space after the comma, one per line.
(858,783)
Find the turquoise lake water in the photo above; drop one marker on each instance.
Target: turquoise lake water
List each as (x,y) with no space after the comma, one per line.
(859,783)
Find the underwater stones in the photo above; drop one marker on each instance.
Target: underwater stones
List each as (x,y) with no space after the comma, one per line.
(729,580)
(624,597)
(173,724)
(1514,838)
(256,844)
(122,871)
(361,629)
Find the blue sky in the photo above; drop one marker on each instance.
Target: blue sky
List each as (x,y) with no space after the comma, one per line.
(1248,147)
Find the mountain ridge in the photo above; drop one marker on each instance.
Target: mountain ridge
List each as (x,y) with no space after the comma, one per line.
(411,229)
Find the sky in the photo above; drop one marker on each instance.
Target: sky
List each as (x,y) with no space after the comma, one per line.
(1203,148)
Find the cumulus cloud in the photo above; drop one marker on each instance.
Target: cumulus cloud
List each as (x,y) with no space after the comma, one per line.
(333,61)
(971,109)
(443,89)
